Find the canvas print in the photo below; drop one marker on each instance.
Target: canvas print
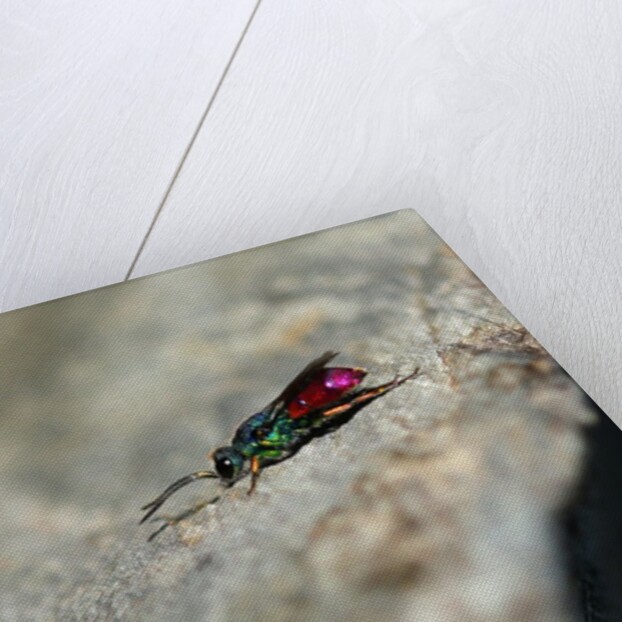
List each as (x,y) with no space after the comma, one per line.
(343,426)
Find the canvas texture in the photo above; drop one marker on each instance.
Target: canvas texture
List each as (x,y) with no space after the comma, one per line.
(483,488)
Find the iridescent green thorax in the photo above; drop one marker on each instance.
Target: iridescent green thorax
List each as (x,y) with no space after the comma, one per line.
(267,436)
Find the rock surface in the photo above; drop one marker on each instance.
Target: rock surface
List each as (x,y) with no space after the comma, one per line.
(441,501)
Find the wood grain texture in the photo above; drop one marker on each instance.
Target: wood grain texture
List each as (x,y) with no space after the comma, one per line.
(97,104)
(499,122)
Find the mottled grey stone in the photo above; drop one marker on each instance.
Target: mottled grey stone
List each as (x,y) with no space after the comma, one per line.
(440,501)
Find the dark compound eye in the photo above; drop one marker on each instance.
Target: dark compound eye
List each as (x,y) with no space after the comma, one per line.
(225,468)
(229,463)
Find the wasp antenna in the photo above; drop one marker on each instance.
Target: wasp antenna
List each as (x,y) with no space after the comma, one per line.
(154,505)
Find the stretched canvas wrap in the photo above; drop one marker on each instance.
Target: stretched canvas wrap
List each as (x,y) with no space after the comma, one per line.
(479,484)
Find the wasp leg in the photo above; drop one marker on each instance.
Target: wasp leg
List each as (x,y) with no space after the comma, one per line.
(254,474)
(368,395)
(171,522)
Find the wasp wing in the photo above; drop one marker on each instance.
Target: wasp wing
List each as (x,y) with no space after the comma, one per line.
(296,385)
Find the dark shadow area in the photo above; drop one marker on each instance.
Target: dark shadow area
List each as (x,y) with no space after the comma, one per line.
(594,525)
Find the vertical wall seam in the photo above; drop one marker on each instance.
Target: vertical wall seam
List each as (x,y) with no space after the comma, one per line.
(193,138)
